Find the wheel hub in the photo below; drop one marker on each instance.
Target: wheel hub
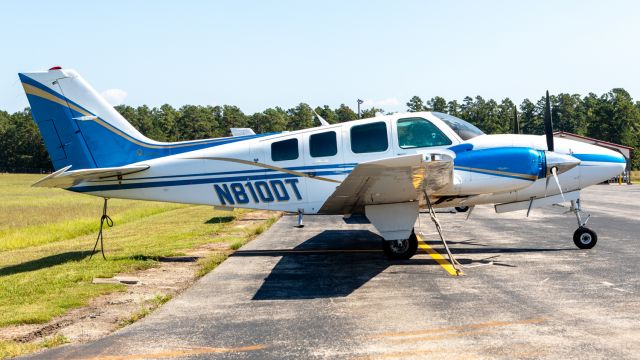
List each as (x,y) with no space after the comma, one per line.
(585,238)
(399,246)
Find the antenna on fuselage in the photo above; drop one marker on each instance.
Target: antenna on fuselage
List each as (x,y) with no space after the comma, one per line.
(323,122)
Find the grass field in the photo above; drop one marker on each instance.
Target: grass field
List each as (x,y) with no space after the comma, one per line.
(46,236)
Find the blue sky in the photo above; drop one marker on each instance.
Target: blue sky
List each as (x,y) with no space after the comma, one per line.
(259,54)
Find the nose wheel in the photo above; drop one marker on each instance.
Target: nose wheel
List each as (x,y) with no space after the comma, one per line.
(583,237)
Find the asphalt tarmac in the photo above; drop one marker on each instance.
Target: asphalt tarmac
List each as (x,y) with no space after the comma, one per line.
(327,291)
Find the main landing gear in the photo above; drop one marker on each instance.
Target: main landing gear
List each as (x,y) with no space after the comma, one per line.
(406,248)
(583,237)
(401,249)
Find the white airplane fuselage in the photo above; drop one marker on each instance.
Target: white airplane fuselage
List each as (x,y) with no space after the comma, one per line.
(243,174)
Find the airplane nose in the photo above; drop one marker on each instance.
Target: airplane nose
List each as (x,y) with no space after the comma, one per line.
(600,164)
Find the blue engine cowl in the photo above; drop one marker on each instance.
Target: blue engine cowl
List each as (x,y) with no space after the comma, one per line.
(512,162)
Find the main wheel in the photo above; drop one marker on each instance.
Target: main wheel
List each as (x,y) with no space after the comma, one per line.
(585,238)
(401,249)
(462,208)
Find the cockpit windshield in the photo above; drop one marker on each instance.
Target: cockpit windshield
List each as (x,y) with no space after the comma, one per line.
(465,130)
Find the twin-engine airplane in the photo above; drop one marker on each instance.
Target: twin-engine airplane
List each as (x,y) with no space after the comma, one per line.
(387,167)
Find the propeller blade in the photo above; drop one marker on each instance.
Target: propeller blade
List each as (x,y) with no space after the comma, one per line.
(548,123)
(546,186)
(554,171)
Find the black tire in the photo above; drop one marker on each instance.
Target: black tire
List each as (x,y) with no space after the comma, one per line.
(585,238)
(401,249)
(462,208)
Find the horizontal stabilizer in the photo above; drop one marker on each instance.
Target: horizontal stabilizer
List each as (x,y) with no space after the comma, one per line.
(65,179)
(242,131)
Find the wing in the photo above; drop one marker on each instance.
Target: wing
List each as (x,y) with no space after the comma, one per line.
(388,181)
(66,179)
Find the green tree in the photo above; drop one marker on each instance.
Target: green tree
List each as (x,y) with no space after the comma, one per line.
(270,120)
(232,117)
(300,117)
(415,104)
(504,116)
(22,146)
(164,119)
(453,108)
(531,121)
(345,113)
(568,113)
(437,103)
(197,122)
(371,112)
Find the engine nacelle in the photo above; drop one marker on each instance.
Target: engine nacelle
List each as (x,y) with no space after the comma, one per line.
(496,169)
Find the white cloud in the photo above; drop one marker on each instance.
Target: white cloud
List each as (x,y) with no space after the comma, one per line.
(381,103)
(114,96)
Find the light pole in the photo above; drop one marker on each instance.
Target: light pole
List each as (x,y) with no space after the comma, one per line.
(359,103)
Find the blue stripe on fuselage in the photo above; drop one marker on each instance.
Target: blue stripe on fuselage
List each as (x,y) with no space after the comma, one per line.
(152,184)
(311,167)
(600,158)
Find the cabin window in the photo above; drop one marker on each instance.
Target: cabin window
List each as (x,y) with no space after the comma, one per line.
(369,138)
(323,144)
(419,132)
(284,150)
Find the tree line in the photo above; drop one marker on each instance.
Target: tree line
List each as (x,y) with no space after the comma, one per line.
(613,116)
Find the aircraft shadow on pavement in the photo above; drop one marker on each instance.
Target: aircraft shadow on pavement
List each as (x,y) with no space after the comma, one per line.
(335,263)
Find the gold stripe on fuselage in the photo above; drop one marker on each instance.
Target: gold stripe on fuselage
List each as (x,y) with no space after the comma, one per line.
(267,166)
(523,176)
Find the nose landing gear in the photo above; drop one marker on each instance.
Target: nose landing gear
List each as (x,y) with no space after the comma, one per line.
(583,237)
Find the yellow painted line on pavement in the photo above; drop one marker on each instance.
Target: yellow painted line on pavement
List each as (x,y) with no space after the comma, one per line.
(444,262)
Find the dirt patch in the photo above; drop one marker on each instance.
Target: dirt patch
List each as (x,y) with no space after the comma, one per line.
(107,313)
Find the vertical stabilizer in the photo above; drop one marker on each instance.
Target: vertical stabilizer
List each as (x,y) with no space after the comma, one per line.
(80,128)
